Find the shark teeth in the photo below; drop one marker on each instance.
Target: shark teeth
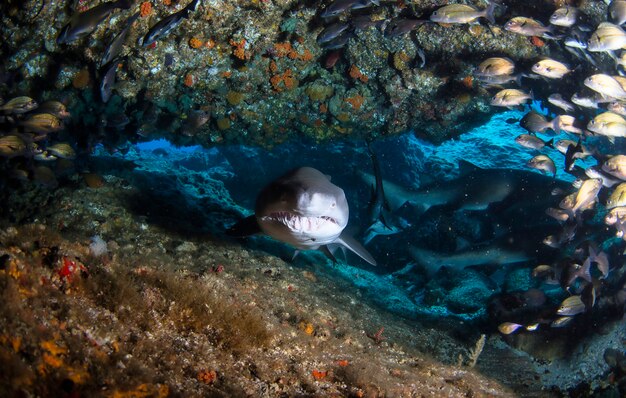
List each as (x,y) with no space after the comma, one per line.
(297,222)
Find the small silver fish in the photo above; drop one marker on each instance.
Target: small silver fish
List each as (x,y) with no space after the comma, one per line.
(561,322)
(495,66)
(607,37)
(616,166)
(571,306)
(19,105)
(531,141)
(534,122)
(462,13)
(617,197)
(508,327)
(510,97)
(558,100)
(586,194)
(551,68)
(608,180)
(606,85)
(527,27)
(564,16)
(543,163)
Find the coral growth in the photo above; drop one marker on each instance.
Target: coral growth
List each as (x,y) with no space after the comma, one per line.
(356,74)
(195,43)
(282,81)
(239,50)
(145,9)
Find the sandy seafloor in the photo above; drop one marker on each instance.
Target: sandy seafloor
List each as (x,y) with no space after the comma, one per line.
(166,312)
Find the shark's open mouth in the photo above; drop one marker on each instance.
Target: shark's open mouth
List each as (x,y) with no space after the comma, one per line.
(297,222)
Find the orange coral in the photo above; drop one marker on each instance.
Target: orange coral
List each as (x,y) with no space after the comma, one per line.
(287,79)
(356,74)
(194,42)
(468,81)
(356,101)
(240,49)
(210,44)
(273,67)
(319,374)
(306,55)
(227,74)
(189,80)
(537,42)
(207,376)
(323,108)
(283,49)
(167,2)
(145,9)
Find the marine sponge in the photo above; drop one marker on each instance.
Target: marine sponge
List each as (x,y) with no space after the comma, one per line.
(234,97)
(145,9)
(356,101)
(286,78)
(356,74)
(196,43)
(240,49)
(319,92)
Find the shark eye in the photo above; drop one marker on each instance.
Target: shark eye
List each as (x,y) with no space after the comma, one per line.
(333,205)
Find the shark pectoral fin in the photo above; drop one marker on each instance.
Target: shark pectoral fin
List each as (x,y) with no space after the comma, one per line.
(324,249)
(246,227)
(356,247)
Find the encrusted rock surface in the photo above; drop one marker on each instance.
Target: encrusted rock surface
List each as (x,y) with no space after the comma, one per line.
(258,71)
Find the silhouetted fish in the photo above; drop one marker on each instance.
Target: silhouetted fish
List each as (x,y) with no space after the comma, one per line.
(84,23)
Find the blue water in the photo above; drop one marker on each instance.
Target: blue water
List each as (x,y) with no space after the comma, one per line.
(228,178)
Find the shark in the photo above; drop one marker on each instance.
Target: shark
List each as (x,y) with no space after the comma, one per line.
(486,256)
(475,189)
(381,220)
(304,209)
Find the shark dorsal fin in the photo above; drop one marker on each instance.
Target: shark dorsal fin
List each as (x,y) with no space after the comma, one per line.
(466,167)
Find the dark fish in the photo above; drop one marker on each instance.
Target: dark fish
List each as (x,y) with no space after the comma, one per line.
(400,26)
(167,24)
(84,23)
(378,206)
(116,121)
(114,48)
(572,272)
(195,120)
(107,79)
(338,42)
(570,154)
(363,22)
(512,120)
(339,6)
(332,58)
(332,31)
